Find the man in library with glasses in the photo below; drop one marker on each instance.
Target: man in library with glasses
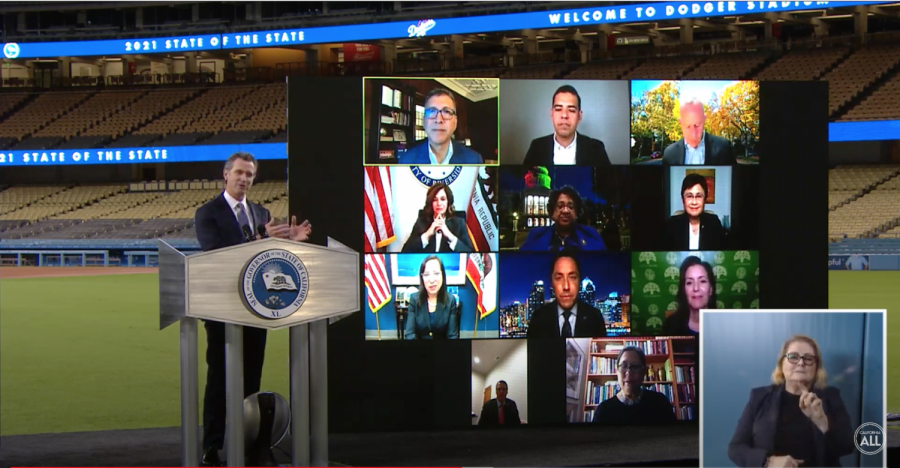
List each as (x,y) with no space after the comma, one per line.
(567,316)
(440,125)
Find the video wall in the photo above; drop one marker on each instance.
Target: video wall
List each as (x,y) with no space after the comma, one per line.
(604,214)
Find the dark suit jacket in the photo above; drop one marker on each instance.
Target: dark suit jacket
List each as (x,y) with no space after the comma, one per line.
(717,153)
(754,436)
(588,152)
(456,225)
(418,155)
(418,322)
(544,322)
(490,414)
(712,234)
(217,226)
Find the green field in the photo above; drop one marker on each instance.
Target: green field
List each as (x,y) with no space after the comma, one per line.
(86,354)
(873,290)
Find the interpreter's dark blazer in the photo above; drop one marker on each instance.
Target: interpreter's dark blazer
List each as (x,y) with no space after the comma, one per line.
(754,436)
(588,152)
(419,325)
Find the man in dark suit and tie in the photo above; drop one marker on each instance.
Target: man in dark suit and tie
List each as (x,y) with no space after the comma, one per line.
(566,146)
(500,411)
(227,220)
(568,316)
(696,147)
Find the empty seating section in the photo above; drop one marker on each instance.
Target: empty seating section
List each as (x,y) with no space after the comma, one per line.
(14,198)
(728,66)
(95,109)
(883,104)
(803,64)
(272,116)
(664,68)
(489,73)
(856,73)
(39,113)
(278,208)
(168,203)
(199,108)
(45,227)
(609,70)
(149,107)
(8,101)
(110,206)
(864,201)
(539,72)
(62,202)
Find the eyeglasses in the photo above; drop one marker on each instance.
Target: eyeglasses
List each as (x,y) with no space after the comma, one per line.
(432,113)
(698,196)
(570,206)
(635,368)
(794,358)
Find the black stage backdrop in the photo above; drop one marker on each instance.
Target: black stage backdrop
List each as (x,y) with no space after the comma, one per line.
(417,385)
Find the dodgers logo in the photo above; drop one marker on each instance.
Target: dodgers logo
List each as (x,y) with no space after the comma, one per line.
(11,50)
(430,175)
(274,284)
(421,28)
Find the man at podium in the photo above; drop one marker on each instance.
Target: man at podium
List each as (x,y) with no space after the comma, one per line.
(227,220)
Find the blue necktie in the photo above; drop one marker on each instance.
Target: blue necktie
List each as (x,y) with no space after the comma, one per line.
(567,327)
(243,220)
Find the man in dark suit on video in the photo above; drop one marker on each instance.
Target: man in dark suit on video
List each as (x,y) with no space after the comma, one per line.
(500,411)
(696,147)
(568,316)
(227,220)
(566,146)
(440,125)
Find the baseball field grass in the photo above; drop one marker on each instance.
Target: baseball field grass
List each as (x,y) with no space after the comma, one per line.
(85,353)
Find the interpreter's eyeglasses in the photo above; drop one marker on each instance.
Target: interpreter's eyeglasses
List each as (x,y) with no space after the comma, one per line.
(794,358)
(432,113)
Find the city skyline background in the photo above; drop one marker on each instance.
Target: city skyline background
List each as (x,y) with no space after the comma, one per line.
(609,271)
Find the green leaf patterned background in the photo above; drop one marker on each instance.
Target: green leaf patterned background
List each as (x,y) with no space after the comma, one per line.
(655,276)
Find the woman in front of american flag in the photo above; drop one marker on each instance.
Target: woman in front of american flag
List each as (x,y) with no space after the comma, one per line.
(433,312)
(437,227)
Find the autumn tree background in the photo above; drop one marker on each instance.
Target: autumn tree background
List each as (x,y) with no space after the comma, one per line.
(732,114)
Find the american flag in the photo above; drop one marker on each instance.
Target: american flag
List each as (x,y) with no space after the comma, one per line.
(377,283)
(378,208)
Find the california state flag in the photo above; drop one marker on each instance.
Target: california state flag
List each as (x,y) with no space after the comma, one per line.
(481,219)
(481,270)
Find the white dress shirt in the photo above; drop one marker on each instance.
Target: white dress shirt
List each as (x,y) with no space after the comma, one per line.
(695,155)
(560,310)
(233,203)
(694,238)
(433,157)
(564,155)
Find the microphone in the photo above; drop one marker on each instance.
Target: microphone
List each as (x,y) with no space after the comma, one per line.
(248,234)
(262,231)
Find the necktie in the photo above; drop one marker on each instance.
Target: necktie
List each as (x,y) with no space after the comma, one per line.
(500,414)
(242,218)
(567,327)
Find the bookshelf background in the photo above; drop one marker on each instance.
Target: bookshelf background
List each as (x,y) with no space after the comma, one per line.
(391,120)
(670,372)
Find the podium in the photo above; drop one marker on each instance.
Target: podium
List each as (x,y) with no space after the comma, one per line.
(271,284)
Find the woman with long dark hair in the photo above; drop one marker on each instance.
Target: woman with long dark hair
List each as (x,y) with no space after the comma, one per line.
(433,312)
(437,228)
(696,290)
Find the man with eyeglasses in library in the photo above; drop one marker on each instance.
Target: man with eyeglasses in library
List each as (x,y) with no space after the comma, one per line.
(566,233)
(440,124)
